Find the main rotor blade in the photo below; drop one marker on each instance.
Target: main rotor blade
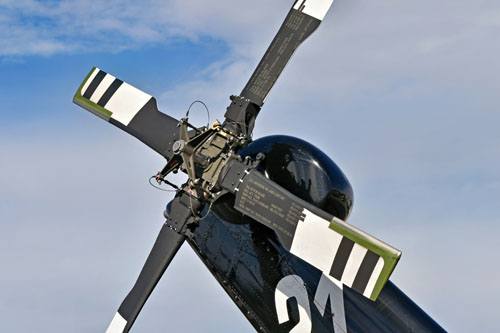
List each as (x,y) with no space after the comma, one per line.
(302,20)
(129,109)
(340,250)
(167,244)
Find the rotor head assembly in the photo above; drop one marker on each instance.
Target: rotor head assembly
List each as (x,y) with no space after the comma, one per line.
(282,183)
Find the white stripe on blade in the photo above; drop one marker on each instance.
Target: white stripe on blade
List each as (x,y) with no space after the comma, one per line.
(314,8)
(374,277)
(126,102)
(315,242)
(90,79)
(101,89)
(353,263)
(117,324)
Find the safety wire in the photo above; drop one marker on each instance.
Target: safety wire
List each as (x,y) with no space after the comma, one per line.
(240,123)
(166,182)
(208,126)
(176,188)
(206,108)
(192,211)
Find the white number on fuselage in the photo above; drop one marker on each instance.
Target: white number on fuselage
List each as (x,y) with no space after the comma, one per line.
(292,286)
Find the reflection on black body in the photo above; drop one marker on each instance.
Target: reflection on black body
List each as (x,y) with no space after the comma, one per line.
(248,260)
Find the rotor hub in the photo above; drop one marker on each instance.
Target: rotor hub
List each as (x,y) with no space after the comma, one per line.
(178,146)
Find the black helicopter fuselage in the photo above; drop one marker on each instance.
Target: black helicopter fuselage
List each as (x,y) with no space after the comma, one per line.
(249,263)
(277,291)
(270,226)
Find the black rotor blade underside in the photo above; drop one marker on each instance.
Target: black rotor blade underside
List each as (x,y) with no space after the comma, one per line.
(167,244)
(302,20)
(296,28)
(154,128)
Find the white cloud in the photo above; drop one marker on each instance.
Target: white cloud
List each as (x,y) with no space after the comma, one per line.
(44,28)
(404,95)
(77,220)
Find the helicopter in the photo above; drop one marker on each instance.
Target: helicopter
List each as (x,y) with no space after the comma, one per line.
(266,216)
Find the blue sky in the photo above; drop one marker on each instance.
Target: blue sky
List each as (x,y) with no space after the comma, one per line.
(402,95)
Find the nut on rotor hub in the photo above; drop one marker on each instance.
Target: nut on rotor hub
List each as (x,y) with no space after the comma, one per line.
(178,146)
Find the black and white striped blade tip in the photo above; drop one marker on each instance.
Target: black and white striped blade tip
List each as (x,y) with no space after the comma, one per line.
(343,252)
(303,19)
(129,109)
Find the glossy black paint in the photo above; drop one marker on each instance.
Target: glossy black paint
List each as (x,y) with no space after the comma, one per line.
(248,260)
(305,171)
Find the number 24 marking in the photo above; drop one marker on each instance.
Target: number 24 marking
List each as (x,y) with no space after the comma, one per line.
(292,286)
